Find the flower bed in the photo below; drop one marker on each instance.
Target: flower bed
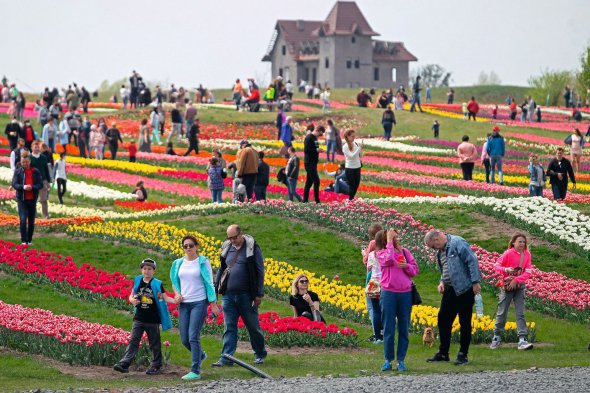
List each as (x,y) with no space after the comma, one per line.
(13,221)
(140,206)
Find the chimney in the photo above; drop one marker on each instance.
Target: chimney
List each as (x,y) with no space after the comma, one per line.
(300,24)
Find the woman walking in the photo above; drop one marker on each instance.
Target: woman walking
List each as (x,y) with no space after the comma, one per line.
(352,152)
(387,121)
(576,149)
(216,185)
(59,174)
(514,267)
(145,144)
(467,154)
(192,283)
(154,123)
(398,266)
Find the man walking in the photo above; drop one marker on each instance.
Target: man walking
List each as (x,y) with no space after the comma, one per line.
(27,182)
(243,293)
(558,171)
(459,283)
(311,151)
(262,178)
(176,119)
(114,137)
(247,168)
(416,95)
(39,162)
(496,148)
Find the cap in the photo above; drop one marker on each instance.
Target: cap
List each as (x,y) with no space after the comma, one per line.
(244,142)
(496,128)
(148,262)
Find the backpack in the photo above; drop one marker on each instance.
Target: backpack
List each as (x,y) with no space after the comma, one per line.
(281,175)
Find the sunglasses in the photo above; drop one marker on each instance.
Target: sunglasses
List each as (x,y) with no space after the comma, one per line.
(303,281)
(188,246)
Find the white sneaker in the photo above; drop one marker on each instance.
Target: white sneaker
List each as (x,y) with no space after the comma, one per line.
(524,345)
(495,343)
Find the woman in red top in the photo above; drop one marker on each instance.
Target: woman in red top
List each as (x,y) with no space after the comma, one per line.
(514,268)
(473,108)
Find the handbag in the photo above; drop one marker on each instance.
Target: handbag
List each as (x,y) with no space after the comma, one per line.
(416,298)
(508,280)
(222,288)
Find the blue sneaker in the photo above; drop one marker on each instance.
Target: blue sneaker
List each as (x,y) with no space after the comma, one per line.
(387,366)
(191,376)
(401,366)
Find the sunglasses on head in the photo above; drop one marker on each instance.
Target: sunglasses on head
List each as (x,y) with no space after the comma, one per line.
(303,281)
(188,246)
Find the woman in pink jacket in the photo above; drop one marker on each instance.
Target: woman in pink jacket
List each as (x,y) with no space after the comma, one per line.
(398,266)
(467,154)
(514,268)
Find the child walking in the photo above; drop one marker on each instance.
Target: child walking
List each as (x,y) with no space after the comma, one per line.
(435,128)
(149,298)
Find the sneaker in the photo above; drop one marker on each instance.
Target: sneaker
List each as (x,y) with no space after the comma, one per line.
(203,356)
(495,343)
(153,370)
(461,359)
(121,368)
(258,360)
(438,357)
(377,341)
(219,363)
(387,366)
(191,376)
(370,339)
(401,366)
(524,345)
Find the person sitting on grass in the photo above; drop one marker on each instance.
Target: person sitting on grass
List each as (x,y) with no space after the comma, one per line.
(304,302)
(140,192)
(149,298)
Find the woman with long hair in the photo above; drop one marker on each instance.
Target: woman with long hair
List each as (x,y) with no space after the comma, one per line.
(352,153)
(576,149)
(305,303)
(145,144)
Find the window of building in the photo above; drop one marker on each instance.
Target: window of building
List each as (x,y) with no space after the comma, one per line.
(280,72)
(348,64)
(327,62)
(357,63)
(376,73)
(394,75)
(284,50)
(287,75)
(353,39)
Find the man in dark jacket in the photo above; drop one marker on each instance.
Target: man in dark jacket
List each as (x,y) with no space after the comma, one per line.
(262,178)
(114,137)
(311,151)
(558,170)
(193,138)
(416,95)
(243,293)
(13,131)
(27,182)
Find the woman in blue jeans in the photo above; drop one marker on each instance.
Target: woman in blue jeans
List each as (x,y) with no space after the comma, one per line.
(192,281)
(398,266)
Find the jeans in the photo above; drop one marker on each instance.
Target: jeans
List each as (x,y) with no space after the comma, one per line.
(234,306)
(559,190)
(153,333)
(125,100)
(330,148)
(376,318)
(81,147)
(467,169)
(504,304)
(353,177)
(535,191)
(191,317)
(292,187)
(249,180)
(216,196)
(496,162)
(395,310)
(260,193)
(416,100)
(326,106)
(26,215)
(176,128)
(387,127)
(312,178)
(61,189)
(450,306)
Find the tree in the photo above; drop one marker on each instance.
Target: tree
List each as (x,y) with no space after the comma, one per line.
(433,74)
(491,79)
(584,75)
(548,86)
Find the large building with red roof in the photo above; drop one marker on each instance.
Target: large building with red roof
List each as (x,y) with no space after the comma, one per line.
(338,52)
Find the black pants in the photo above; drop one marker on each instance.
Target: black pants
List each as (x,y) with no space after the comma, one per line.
(467,168)
(61,189)
(471,114)
(486,164)
(153,333)
(249,181)
(193,145)
(26,214)
(312,177)
(450,306)
(559,190)
(353,176)
(132,159)
(113,147)
(82,146)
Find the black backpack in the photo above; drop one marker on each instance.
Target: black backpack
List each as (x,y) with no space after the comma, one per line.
(281,175)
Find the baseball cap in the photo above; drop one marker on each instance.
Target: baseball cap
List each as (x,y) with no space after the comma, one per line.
(496,128)
(148,262)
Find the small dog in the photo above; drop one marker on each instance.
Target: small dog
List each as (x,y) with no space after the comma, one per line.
(428,337)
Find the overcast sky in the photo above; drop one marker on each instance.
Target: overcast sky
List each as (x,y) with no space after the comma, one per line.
(213,42)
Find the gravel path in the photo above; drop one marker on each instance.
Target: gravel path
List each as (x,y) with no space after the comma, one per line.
(570,380)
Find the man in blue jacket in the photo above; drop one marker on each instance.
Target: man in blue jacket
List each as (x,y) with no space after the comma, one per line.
(496,148)
(459,283)
(27,182)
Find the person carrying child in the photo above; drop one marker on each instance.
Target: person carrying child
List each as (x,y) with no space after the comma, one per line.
(149,298)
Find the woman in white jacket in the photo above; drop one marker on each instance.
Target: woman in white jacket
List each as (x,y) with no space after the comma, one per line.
(352,152)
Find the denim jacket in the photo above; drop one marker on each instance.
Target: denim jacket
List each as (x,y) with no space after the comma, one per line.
(534,174)
(462,264)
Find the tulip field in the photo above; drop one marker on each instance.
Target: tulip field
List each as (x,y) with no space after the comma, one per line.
(64,297)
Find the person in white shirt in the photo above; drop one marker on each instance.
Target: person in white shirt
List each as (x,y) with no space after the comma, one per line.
(124,95)
(325,97)
(352,152)
(59,174)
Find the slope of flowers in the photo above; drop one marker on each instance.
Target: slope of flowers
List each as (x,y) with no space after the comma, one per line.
(13,221)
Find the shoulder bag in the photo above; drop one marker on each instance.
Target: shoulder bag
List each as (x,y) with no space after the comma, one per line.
(223,281)
(416,298)
(509,279)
